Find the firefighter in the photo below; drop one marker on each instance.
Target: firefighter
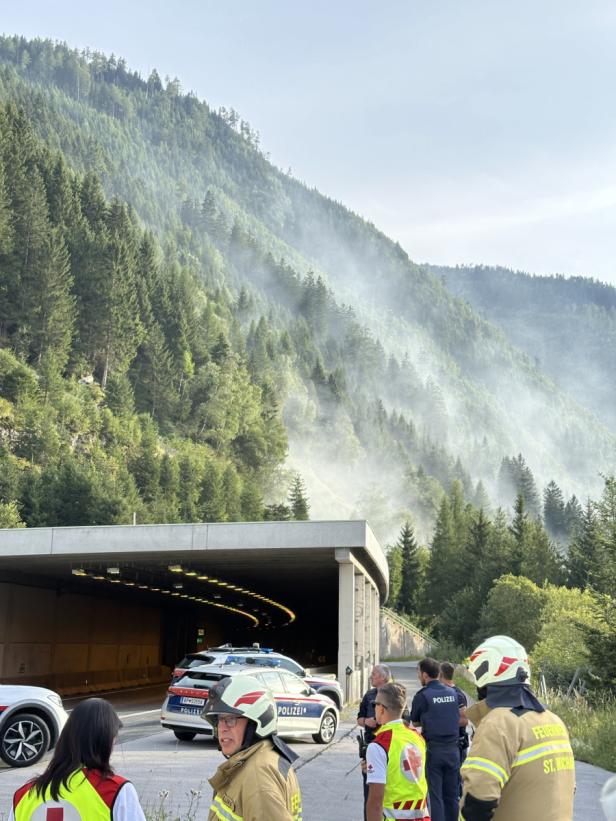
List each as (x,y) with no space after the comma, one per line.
(396,762)
(256,782)
(520,764)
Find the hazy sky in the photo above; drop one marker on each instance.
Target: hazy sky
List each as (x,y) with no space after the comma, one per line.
(469,131)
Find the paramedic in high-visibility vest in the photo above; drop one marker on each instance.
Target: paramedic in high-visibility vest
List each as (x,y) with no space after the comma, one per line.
(395,762)
(520,764)
(79,784)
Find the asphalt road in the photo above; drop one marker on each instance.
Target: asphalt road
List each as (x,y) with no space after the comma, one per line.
(139,709)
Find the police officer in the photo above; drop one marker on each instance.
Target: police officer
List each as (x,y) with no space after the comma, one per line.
(446,677)
(366,715)
(435,709)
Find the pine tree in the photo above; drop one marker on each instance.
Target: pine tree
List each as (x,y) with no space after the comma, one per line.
(584,558)
(554,512)
(298,500)
(410,586)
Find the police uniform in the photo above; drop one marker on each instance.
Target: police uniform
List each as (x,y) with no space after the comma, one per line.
(367,709)
(436,708)
(397,758)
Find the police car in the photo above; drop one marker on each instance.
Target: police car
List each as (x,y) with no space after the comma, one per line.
(301,711)
(31,719)
(259,655)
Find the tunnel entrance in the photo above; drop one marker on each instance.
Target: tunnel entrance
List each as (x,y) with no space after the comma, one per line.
(91,608)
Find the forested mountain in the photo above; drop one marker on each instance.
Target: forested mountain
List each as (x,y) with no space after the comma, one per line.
(175,312)
(567,325)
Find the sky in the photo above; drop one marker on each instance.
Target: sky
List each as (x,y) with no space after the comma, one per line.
(471,132)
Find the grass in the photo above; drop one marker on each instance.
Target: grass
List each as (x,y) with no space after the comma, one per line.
(161,812)
(464,684)
(592,729)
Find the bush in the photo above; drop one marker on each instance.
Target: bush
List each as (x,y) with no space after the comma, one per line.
(592,729)
(514,608)
(562,645)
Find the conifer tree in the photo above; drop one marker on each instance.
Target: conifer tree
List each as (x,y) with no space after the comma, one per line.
(410,586)
(554,512)
(584,558)
(298,500)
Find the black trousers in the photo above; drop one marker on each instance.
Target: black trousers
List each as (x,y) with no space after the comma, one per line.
(443,774)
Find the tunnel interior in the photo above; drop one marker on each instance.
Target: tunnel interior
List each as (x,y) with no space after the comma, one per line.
(86,622)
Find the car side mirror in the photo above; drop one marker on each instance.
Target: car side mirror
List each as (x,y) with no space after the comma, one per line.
(311,691)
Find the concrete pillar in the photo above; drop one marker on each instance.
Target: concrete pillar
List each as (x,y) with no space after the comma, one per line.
(376,624)
(368,631)
(346,621)
(360,618)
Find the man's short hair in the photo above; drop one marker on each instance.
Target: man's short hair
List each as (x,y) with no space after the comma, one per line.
(393,697)
(384,670)
(447,670)
(430,667)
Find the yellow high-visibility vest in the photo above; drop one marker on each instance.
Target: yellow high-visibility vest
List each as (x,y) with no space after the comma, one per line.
(406,787)
(89,797)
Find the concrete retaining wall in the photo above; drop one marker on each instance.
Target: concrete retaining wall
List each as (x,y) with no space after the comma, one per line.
(400,640)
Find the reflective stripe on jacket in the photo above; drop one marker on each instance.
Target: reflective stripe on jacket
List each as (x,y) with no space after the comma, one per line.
(406,787)
(89,794)
(525,762)
(256,784)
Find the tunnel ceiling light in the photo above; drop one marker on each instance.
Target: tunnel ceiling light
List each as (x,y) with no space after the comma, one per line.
(178,585)
(113,571)
(177,568)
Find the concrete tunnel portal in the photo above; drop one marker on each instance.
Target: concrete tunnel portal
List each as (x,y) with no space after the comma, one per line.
(90,608)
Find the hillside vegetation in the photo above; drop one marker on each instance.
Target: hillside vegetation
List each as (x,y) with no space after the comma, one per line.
(340,336)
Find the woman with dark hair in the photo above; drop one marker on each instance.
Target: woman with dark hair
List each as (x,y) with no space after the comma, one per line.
(78,782)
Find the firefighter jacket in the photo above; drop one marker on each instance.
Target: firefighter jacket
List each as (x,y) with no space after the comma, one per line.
(523,761)
(90,794)
(406,787)
(256,784)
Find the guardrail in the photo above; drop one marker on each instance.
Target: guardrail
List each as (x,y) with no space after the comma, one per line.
(404,622)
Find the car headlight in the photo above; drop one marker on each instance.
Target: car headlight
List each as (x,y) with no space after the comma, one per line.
(55,698)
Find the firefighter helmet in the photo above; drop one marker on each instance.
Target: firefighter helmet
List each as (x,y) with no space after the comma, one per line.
(498,660)
(243,696)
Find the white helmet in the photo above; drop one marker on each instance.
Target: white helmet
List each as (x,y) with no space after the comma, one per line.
(498,660)
(243,696)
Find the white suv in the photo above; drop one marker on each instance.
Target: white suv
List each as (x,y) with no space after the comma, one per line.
(31,719)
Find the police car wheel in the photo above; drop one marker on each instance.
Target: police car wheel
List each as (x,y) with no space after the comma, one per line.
(184,736)
(24,740)
(327,730)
